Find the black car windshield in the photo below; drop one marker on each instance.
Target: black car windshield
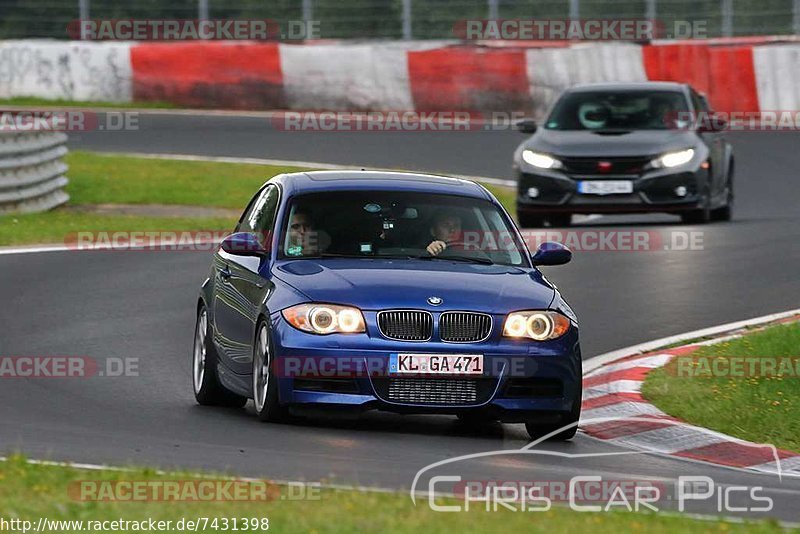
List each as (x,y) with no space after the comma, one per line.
(390,224)
(608,110)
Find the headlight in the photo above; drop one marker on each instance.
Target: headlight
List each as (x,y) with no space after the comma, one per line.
(537,325)
(325,318)
(543,161)
(673,159)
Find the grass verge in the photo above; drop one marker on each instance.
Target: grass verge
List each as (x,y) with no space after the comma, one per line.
(46,102)
(30,491)
(762,409)
(111,179)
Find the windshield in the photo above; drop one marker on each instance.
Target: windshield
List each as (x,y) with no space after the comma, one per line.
(618,110)
(381,224)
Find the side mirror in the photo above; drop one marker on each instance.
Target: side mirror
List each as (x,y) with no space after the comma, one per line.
(551,253)
(243,244)
(526,126)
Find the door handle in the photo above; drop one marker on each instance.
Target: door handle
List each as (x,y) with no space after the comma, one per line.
(225,273)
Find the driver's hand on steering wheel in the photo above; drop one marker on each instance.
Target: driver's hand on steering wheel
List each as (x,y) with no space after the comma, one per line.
(436,247)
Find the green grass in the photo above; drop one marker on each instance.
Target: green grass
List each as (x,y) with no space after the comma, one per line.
(59,226)
(762,409)
(38,101)
(30,491)
(111,179)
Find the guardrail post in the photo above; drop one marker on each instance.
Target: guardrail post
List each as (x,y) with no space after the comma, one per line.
(407,32)
(32,171)
(727,18)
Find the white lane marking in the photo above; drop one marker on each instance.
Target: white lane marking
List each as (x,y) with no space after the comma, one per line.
(671,439)
(170,246)
(611,388)
(621,410)
(790,466)
(593,363)
(648,362)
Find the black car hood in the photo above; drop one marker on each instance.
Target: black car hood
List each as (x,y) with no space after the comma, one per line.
(588,144)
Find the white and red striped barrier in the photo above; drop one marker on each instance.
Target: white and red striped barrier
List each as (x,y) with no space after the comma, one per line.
(614,410)
(737,74)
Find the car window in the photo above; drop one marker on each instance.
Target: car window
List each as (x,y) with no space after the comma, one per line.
(617,110)
(699,103)
(260,214)
(372,224)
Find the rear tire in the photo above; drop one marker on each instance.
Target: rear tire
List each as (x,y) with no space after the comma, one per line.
(207,389)
(536,431)
(265,381)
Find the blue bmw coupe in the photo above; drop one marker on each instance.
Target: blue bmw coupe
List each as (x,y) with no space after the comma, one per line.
(403,292)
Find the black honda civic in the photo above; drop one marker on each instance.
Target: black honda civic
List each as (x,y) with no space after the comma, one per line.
(625,148)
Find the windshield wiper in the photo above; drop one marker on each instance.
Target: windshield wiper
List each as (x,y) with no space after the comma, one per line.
(465,259)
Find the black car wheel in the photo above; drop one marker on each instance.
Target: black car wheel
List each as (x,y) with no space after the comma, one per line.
(528,220)
(265,382)
(207,389)
(725,213)
(537,430)
(560,220)
(701,215)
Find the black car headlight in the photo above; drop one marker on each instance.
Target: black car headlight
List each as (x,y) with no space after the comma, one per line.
(542,161)
(535,324)
(673,159)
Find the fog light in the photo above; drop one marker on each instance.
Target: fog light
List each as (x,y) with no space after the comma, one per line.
(680,191)
(533,192)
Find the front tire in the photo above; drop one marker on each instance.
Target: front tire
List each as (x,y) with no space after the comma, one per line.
(561,220)
(536,431)
(265,383)
(725,213)
(207,389)
(698,216)
(528,220)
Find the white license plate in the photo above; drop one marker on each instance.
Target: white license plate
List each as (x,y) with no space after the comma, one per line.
(605,187)
(444,364)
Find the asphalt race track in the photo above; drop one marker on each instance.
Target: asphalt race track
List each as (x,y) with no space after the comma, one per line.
(141,304)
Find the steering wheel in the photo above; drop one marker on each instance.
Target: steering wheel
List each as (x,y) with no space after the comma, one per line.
(454,247)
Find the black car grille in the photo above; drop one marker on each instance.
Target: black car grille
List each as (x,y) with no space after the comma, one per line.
(435,391)
(464,327)
(406,325)
(589,166)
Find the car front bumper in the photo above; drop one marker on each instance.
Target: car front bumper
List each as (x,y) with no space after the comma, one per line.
(521,380)
(653,192)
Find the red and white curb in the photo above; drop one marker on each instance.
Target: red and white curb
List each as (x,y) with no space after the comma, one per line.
(614,409)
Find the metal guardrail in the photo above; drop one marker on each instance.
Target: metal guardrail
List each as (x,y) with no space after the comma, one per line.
(32,171)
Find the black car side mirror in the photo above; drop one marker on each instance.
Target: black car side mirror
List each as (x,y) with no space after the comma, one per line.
(243,244)
(551,253)
(526,126)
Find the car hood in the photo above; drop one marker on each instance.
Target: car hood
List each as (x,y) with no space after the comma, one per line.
(376,284)
(589,144)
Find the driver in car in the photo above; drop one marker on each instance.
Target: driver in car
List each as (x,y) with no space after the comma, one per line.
(445,230)
(302,239)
